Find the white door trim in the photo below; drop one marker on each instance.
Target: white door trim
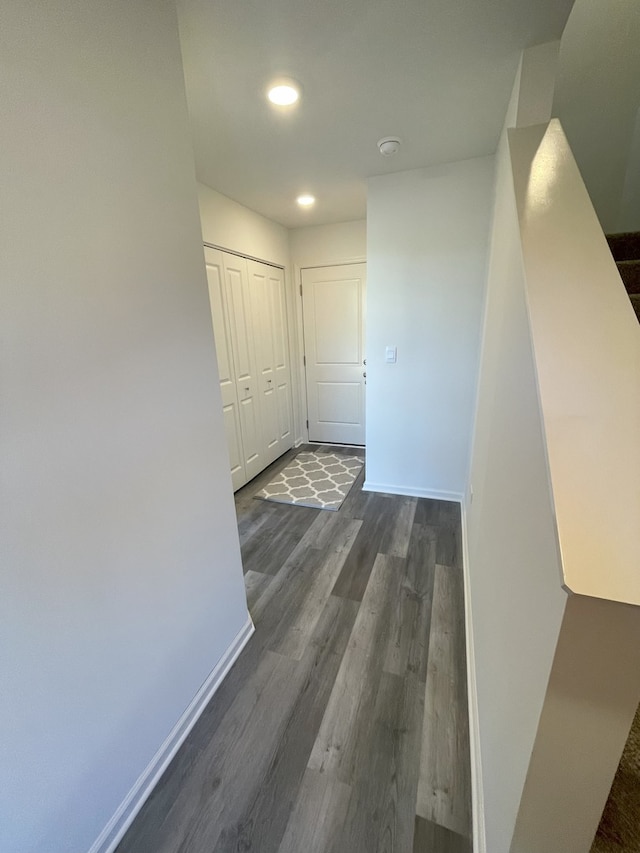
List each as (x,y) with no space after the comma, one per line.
(335,412)
(299,363)
(244,255)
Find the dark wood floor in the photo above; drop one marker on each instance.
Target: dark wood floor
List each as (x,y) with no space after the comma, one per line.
(342,727)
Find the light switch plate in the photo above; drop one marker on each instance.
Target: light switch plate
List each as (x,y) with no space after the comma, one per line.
(390,355)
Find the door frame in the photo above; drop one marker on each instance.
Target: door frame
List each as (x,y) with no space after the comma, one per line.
(302,374)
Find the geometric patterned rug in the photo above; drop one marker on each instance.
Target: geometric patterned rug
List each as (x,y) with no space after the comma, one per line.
(320,480)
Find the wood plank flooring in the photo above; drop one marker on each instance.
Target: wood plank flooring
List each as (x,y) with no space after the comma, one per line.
(342,727)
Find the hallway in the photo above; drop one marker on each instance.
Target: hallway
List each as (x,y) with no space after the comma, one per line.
(343,725)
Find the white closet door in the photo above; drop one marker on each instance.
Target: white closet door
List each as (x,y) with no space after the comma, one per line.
(281,365)
(238,301)
(215,279)
(261,308)
(266,285)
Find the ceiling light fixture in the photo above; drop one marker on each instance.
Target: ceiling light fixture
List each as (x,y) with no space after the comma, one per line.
(283,92)
(305,200)
(389,146)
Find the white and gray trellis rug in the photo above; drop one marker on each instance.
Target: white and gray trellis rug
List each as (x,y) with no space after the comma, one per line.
(320,480)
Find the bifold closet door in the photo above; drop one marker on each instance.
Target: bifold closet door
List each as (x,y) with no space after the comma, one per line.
(281,364)
(266,287)
(228,389)
(250,327)
(240,314)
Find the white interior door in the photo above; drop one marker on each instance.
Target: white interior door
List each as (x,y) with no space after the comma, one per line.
(238,301)
(228,389)
(266,284)
(333,301)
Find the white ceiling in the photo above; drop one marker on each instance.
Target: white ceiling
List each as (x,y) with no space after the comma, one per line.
(437,73)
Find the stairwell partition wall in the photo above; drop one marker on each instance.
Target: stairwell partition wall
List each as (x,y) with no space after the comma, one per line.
(248,309)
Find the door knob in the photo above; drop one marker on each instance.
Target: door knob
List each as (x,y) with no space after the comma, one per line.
(247,388)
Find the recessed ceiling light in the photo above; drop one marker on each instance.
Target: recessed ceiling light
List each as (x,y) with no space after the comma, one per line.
(305,200)
(283,93)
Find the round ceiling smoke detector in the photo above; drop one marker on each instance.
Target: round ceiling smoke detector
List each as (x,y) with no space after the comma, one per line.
(389,146)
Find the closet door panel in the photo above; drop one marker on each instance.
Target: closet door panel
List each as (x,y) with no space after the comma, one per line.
(228,390)
(242,338)
(259,284)
(240,320)
(234,446)
(278,320)
(251,437)
(281,367)
(284,417)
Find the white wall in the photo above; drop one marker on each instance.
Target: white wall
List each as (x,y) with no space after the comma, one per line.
(586,350)
(230,225)
(324,245)
(121,575)
(515,589)
(554,678)
(427,233)
(536,83)
(556,675)
(513,593)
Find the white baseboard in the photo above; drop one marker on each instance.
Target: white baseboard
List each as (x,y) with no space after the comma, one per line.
(335,444)
(411,492)
(477,795)
(122,819)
